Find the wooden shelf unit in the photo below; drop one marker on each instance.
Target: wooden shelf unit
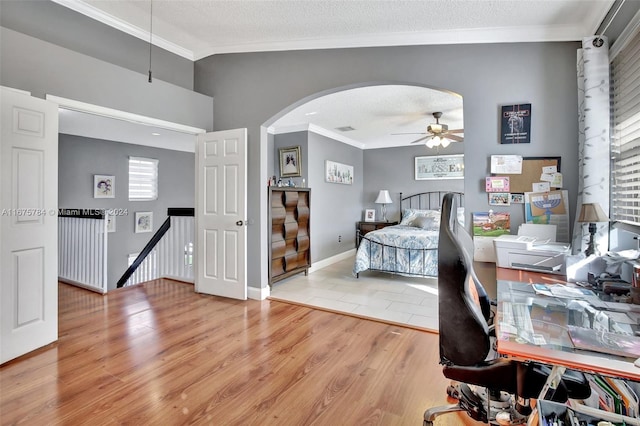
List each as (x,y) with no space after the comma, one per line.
(289,237)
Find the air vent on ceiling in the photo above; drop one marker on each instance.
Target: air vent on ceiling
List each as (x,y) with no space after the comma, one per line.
(345,128)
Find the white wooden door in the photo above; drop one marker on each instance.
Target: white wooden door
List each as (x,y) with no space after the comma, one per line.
(220,213)
(28,224)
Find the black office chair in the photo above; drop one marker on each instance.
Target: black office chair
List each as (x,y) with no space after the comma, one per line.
(501,385)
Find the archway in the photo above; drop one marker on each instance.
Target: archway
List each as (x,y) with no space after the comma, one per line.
(411,113)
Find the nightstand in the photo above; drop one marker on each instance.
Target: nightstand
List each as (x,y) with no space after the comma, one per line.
(364,227)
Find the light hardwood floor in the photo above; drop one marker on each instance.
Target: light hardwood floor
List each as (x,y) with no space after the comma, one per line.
(160,354)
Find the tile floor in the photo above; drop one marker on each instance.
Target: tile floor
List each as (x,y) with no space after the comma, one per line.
(390,298)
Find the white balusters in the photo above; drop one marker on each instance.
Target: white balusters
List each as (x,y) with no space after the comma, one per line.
(172,257)
(82,252)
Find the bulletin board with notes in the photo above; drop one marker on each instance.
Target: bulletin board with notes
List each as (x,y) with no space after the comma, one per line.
(536,170)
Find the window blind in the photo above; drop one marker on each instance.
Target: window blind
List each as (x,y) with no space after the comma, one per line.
(625,141)
(143,179)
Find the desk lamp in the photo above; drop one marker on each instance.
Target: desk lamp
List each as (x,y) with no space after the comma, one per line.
(592,213)
(384,198)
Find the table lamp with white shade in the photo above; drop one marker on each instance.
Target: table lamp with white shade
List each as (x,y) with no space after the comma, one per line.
(384,198)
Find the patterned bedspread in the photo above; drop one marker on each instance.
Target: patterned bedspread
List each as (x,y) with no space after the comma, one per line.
(400,251)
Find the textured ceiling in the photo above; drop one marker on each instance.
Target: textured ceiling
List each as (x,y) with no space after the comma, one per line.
(198,28)
(374,113)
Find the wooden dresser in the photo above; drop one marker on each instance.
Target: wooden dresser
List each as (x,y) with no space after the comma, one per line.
(289,242)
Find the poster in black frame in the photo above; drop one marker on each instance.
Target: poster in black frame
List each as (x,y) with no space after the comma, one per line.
(515,124)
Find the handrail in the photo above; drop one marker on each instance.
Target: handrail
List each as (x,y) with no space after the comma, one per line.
(153,242)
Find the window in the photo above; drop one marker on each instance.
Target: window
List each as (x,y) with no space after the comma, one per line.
(143,179)
(625,142)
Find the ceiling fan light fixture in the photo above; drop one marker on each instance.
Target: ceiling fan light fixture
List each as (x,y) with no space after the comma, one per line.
(444,142)
(434,128)
(431,143)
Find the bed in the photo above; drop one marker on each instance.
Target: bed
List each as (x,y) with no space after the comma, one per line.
(409,248)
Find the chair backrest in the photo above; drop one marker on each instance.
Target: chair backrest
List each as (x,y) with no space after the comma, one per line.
(463,328)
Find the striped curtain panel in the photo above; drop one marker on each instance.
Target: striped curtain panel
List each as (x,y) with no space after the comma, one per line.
(593,138)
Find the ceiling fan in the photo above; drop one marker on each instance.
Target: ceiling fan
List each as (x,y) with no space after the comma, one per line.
(437,134)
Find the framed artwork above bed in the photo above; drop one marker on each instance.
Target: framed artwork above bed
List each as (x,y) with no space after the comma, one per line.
(439,167)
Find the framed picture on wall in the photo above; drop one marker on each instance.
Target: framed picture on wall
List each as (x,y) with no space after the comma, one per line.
(439,167)
(104,186)
(338,173)
(290,162)
(515,124)
(144,222)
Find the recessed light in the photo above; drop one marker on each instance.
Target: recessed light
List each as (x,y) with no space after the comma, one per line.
(155,134)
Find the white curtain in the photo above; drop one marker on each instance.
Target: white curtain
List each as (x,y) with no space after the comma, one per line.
(593,138)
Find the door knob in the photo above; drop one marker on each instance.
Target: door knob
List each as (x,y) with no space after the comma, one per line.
(240,223)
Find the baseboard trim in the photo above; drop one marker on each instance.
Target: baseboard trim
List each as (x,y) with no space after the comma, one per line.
(83,285)
(258,293)
(264,292)
(331,260)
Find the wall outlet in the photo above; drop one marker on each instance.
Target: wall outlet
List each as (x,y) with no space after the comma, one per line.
(339,238)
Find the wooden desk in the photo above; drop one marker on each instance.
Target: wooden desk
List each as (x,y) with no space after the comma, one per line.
(581,360)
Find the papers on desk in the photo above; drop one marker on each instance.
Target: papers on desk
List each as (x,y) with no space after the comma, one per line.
(563,291)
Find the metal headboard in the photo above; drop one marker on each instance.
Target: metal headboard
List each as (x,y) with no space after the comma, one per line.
(427,200)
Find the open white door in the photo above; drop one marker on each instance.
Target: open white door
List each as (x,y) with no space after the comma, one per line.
(28,224)
(220,213)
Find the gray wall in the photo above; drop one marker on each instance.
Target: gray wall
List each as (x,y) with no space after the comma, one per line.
(42,68)
(253,89)
(80,158)
(394,169)
(335,208)
(62,26)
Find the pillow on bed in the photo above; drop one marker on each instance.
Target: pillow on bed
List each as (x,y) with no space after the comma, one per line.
(427,223)
(410,215)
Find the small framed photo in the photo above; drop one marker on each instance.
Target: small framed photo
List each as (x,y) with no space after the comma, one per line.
(144,222)
(517,198)
(497,184)
(370,215)
(290,162)
(499,199)
(104,186)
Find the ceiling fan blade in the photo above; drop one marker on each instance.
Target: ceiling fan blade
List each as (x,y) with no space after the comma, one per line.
(454,138)
(421,133)
(456,131)
(421,139)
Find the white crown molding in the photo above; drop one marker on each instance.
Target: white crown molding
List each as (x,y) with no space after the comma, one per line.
(310,127)
(468,36)
(110,20)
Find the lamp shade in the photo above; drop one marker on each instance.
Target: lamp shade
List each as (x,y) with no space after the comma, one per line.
(383,197)
(592,212)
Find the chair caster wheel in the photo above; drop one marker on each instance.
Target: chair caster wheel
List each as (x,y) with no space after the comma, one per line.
(427,423)
(453,392)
